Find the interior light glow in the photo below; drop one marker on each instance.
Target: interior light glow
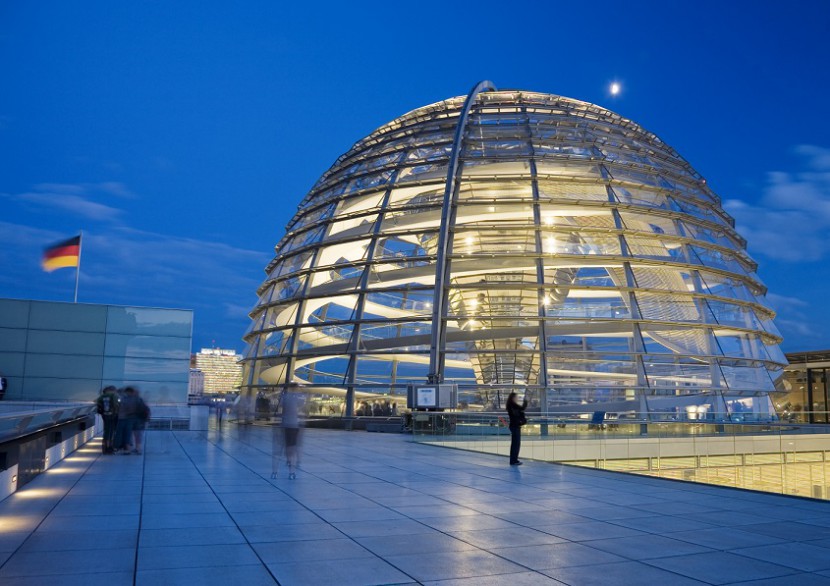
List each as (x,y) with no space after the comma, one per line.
(36,493)
(67,470)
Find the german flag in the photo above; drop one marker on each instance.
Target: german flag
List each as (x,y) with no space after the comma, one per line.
(63,254)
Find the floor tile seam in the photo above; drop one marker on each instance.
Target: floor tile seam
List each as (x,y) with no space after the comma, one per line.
(737,551)
(245,537)
(705,547)
(52,508)
(621,523)
(681,576)
(790,571)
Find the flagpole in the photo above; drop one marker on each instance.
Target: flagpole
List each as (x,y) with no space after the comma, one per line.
(78,268)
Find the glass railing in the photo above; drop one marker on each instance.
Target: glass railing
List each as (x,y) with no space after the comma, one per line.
(22,419)
(771,456)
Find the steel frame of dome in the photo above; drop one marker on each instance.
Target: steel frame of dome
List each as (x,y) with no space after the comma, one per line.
(558,248)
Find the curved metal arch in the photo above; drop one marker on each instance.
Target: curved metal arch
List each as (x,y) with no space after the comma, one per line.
(436,374)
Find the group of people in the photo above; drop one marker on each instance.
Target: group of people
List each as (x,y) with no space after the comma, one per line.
(125,416)
(376,409)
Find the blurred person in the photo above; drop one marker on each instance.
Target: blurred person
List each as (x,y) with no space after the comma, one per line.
(140,424)
(291,409)
(127,415)
(107,407)
(516,413)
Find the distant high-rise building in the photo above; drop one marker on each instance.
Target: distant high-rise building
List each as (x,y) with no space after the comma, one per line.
(221,369)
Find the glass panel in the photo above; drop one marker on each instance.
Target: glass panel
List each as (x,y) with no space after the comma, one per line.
(491,242)
(668,279)
(683,341)
(414,332)
(406,247)
(609,308)
(490,213)
(68,343)
(403,274)
(355,211)
(472,168)
(654,248)
(671,308)
(372,370)
(288,288)
(482,304)
(71,317)
(157,392)
(574,191)
(14,313)
(13,363)
(138,370)
(745,377)
(149,321)
(424,172)
(411,372)
(64,389)
(12,340)
(339,308)
(274,343)
(64,366)
(640,197)
(679,374)
(320,213)
(554,168)
(648,224)
(342,253)
(734,315)
(418,195)
(292,264)
(148,346)
(325,336)
(414,303)
(504,191)
(324,371)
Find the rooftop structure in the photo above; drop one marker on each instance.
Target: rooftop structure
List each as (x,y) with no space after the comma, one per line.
(514,240)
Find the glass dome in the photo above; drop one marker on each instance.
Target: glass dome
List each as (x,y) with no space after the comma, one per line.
(513,240)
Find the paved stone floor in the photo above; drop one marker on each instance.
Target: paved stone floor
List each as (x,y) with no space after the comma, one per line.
(201,508)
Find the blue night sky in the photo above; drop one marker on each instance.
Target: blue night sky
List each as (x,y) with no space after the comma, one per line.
(180,136)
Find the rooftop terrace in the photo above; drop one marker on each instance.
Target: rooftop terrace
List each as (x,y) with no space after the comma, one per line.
(202,508)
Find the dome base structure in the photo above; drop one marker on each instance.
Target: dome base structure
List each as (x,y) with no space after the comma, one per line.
(516,241)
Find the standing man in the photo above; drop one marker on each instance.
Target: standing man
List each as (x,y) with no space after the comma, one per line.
(516,413)
(107,404)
